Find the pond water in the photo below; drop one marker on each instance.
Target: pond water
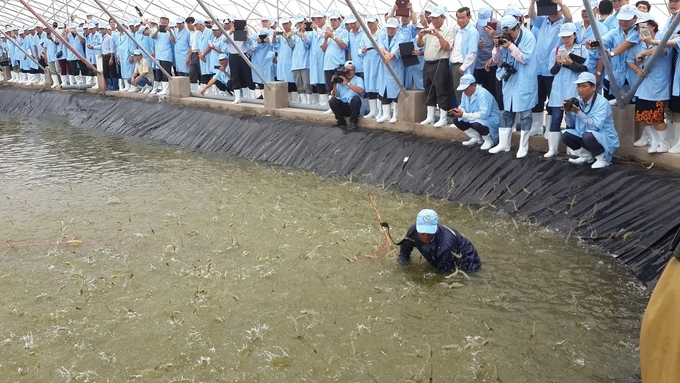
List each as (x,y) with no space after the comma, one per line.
(131,261)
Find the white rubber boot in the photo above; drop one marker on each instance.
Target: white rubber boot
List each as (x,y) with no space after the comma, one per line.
(72,79)
(524,143)
(430,116)
(584,157)
(42,79)
(55,81)
(644,139)
(134,89)
(156,87)
(237,96)
(676,129)
(12,77)
(504,136)
(395,113)
(165,88)
(536,124)
(372,108)
(475,138)
(194,88)
(146,89)
(488,142)
(600,162)
(663,144)
(443,116)
(385,115)
(653,141)
(553,143)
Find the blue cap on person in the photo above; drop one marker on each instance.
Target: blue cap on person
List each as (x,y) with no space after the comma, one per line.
(349,63)
(392,23)
(567,29)
(466,81)
(426,221)
(438,12)
(508,22)
(483,16)
(627,12)
(137,52)
(586,77)
(222,56)
(513,11)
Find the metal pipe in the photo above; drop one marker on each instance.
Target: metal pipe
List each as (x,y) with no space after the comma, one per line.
(657,51)
(60,38)
(375,46)
(30,56)
(603,54)
(231,41)
(127,32)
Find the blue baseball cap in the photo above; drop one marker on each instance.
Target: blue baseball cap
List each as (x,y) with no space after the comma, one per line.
(466,81)
(586,77)
(426,221)
(508,22)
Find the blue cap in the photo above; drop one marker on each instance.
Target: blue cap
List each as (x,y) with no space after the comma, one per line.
(586,77)
(392,23)
(567,29)
(627,12)
(222,56)
(513,11)
(466,81)
(438,12)
(483,16)
(137,52)
(426,221)
(508,22)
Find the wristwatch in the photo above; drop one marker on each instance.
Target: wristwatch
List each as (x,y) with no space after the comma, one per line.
(598,73)
(611,54)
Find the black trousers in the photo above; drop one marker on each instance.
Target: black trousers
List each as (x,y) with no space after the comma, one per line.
(437,83)
(342,109)
(544,88)
(194,68)
(588,142)
(241,75)
(225,87)
(110,70)
(464,125)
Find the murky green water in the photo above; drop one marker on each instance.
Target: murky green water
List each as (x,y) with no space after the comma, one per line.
(128,261)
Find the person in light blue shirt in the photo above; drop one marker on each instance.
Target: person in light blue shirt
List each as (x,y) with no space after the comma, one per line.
(516,61)
(464,51)
(77,41)
(594,134)
(567,62)
(356,36)
(611,22)
(94,48)
(478,114)
(301,42)
(53,46)
(284,59)
(164,39)
(316,57)
(262,58)
(181,48)
(388,88)
(347,95)
(123,54)
(371,61)
(655,89)
(545,28)
(413,75)
(334,46)
(110,69)
(222,78)
(584,31)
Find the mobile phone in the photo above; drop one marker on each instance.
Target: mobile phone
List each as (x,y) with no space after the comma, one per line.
(162,28)
(492,24)
(216,67)
(308,26)
(645,32)
(594,44)
(279,33)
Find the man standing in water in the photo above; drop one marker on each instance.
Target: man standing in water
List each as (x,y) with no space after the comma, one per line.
(445,248)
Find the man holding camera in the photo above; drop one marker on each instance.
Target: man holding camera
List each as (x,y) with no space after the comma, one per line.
(478,114)
(347,94)
(516,60)
(594,133)
(164,39)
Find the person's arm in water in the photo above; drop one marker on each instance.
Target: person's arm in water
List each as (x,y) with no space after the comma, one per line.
(406,247)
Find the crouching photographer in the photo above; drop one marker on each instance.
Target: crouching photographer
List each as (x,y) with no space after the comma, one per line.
(593,134)
(347,93)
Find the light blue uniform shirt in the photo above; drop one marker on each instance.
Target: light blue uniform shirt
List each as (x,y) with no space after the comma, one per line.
(316,56)
(355,46)
(485,104)
(611,22)
(123,51)
(599,121)
(263,53)
(53,46)
(470,44)
(371,63)
(345,94)
(611,40)
(520,91)
(334,55)
(655,86)
(284,61)
(95,40)
(163,46)
(181,49)
(202,40)
(74,41)
(546,40)
(300,55)
(386,82)
(413,75)
(221,76)
(588,34)
(563,86)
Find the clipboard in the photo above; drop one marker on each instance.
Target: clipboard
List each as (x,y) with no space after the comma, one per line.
(239,33)
(402,10)
(546,8)
(406,52)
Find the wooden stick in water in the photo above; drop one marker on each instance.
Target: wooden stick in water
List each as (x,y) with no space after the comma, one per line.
(388,241)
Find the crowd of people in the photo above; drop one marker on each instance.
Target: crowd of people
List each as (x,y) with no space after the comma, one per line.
(484,77)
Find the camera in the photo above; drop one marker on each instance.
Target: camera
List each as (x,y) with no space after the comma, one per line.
(339,73)
(162,28)
(503,38)
(570,103)
(509,71)
(594,44)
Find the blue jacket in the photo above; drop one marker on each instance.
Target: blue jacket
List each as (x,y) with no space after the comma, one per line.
(440,252)
(520,91)
(386,82)
(596,117)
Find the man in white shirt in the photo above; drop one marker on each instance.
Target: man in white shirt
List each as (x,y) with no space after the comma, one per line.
(464,51)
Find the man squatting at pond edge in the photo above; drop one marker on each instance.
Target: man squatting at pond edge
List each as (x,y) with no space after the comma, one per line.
(438,244)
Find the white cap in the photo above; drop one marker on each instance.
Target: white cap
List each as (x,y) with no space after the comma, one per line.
(392,23)
(318,14)
(627,12)
(222,56)
(299,18)
(438,11)
(466,81)
(350,20)
(371,17)
(179,20)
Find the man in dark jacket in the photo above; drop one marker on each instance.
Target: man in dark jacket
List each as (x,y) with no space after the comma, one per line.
(442,246)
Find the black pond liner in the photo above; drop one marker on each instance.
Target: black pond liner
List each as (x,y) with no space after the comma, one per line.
(625,209)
